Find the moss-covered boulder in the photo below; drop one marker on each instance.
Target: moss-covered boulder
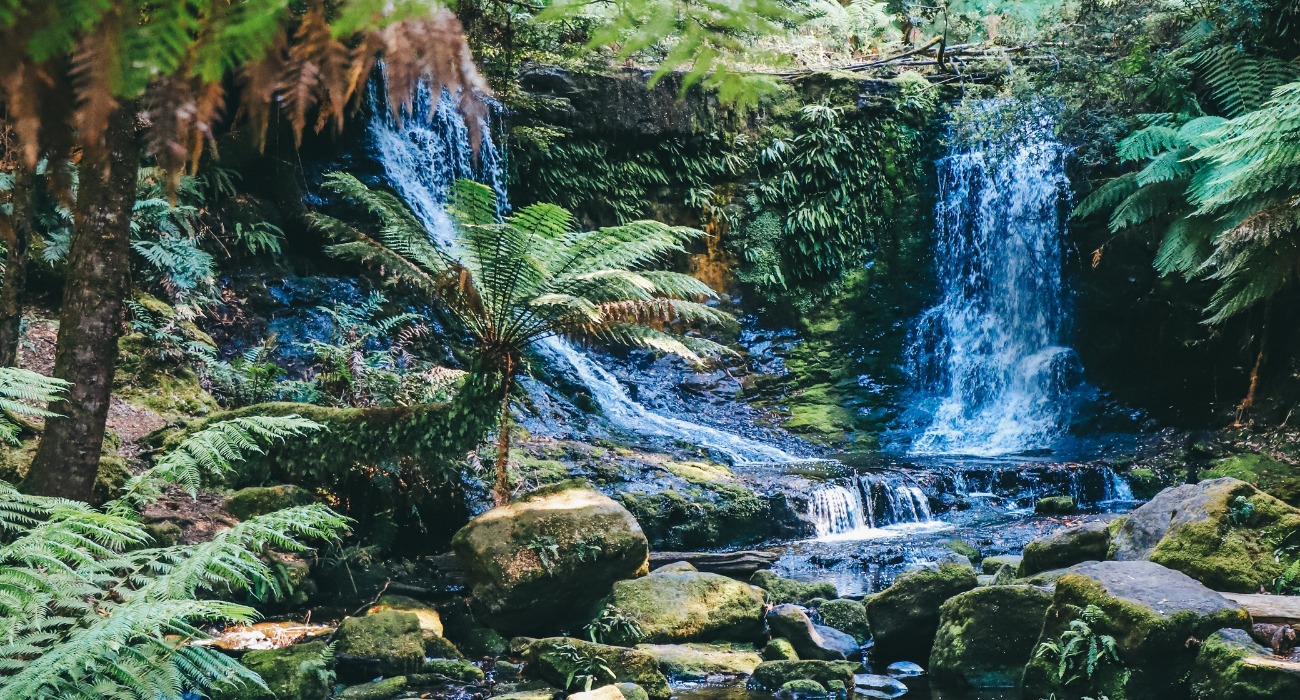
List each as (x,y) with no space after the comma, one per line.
(905,616)
(1231,666)
(1066,547)
(387,643)
(809,641)
(538,694)
(687,662)
(1221,532)
(554,658)
(1275,478)
(540,563)
(430,621)
(260,500)
(779,649)
(686,606)
(455,669)
(1151,611)
(771,675)
(1056,505)
(986,636)
(803,687)
(385,689)
(482,641)
(632,691)
(295,672)
(784,590)
(847,616)
(990,565)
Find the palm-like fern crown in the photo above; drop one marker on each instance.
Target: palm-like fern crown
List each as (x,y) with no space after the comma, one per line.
(533,275)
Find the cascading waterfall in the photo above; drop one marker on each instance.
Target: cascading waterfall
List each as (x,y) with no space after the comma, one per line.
(988,361)
(867,507)
(423,156)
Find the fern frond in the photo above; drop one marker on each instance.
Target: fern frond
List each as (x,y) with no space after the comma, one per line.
(1106,196)
(1148,202)
(1149,143)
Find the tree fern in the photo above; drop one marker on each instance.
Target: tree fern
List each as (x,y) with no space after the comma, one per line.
(20,389)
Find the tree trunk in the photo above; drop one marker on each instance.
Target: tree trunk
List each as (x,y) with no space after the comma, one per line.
(502,493)
(17,240)
(1253,392)
(90,321)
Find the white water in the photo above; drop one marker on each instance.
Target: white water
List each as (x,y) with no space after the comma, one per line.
(841,512)
(989,359)
(422,158)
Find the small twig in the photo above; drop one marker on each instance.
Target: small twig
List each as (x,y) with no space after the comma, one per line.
(357,612)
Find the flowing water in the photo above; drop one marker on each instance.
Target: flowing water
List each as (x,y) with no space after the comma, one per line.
(989,362)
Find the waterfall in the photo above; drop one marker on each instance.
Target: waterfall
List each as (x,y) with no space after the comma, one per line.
(422,157)
(849,511)
(1117,487)
(835,510)
(988,361)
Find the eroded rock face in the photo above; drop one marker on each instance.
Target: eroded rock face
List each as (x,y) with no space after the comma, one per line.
(986,636)
(1231,666)
(905,616)
(809,641)
(1151,611)
(540,563)
(554,658)
(1066,547)
(1218,532)
(672,607)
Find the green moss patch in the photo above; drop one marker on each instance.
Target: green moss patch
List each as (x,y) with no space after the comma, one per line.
(784,590)
(1278,479)
(555,658)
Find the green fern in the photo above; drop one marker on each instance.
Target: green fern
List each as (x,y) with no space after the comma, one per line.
(19,390)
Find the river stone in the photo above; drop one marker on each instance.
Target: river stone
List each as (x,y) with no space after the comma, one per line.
(986,636)
(784,590)
(809,641)
(1066,547)
(1056,505)
(545,694)
(387,643)
(875,685)
(687,606)
(385,689)
(779,649)
(260,500)
(847,616)
(430,622)
(905,616)
(689,662)
(632,691)
(774,674)
(1231,666)
(455,669)
(1151,611)
(990,565)
(674,567)
(1192,528)
(608,692)
(514,591)
(803,687)
(546,658)
(291,673)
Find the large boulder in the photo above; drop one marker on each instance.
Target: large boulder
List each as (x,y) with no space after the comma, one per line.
(809,641)
(784,590)
(295,672)
(1231,666)
(555,658)
(1153,613)
(1277,479)
(260,500)
(1066,547)
(847,616)
(905,616)
(986,636)
(540,563)
(1221,532)
(387,643)
(991,565)
(693,662)
(671,607)
(430,621)
(774,674)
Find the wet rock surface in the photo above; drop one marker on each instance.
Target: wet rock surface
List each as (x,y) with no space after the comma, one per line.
(686,606)
(1231,666)
(1065,547)
(986,636)
(810,641)
(686,662)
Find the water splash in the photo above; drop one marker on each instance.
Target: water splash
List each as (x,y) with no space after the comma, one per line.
(869,508)
(989,360)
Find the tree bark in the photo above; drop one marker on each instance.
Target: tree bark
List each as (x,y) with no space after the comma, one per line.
(502,492)
(90,321)
(17,239)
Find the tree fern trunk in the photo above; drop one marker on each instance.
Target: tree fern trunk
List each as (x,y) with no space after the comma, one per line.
(17,239)
(90,321)
(1253,392)
(502,492)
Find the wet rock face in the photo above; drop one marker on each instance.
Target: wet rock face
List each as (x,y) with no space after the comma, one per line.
(387,643)
(291,673)
(905,617)
(1151,612)
(687,662)
(1218,532)
(774,674)
(809,641)
(554,658)
(540,563)
(1231,666)
(1066,547)
(784,590)
(672,607)
(986,636)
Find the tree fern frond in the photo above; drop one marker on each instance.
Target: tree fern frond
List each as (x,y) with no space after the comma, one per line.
(1149,143)
(1170,165)
(1148,202)
(1106,196)
(1187,245)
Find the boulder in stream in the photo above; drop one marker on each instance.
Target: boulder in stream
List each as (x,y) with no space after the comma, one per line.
(847,616)
(905,616)
(295,672)
(1219,532)
(554,658)
(990,565)
(387,643)
(693,662)
(774,674)
(779,649)
(1156,616)
(385,689)
(540,563)
(784,590)
(672,607)
(1231,666)
(1065,547)
(986,636)
(809,641)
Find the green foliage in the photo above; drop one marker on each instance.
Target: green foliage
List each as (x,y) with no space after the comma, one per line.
(547,551)
(19,389)
(1240,511)
(245,380)
(588,668)
(259,236)
(166,234)
(1081,649)
(611,623)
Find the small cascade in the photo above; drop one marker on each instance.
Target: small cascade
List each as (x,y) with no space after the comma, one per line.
(1117,487)
(836,510)
(865,506)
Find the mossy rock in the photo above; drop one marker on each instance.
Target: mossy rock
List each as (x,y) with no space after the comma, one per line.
(1151,612)
(482,641)
(1278,479)
(260,500)
(385,689)
(632,691)
(847,616)
(165,533)
(905,617)
(1145,483)
(1056,505)
(804,686)
(771,675)
(430,621)
(458,670)
(540,563)
(688,662)
(387,643)
(779,649)
(1231,666)
(295,672)
(436,647)
(990,565)
(543,471)
(1221,532)
(1065,547)
(784,590)
(715,512)
(700,473)
(550,658)
(986,636)
(673,607)
(166,387)
(963,548)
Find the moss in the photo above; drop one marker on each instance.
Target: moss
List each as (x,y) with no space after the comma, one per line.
(1231,666)
(632,691)
(963,548)
(803,686)
(1145,483)
(547,658)
(543,471)
(165,387)
(779,649)
(718,514)
(482,641)
(847,616)
(459,670)
(1278,479)
(681,662)
(437,647)
(774,674)
(784,590)
(687,606)
(295,672)
(986,636)
(699,473)
(391,637)
(385,689)
(905,617)
(260,500)
(1055,505)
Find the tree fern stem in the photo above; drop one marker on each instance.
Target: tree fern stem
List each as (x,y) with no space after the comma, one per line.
(17,238)
(1253,392)
(502,494)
